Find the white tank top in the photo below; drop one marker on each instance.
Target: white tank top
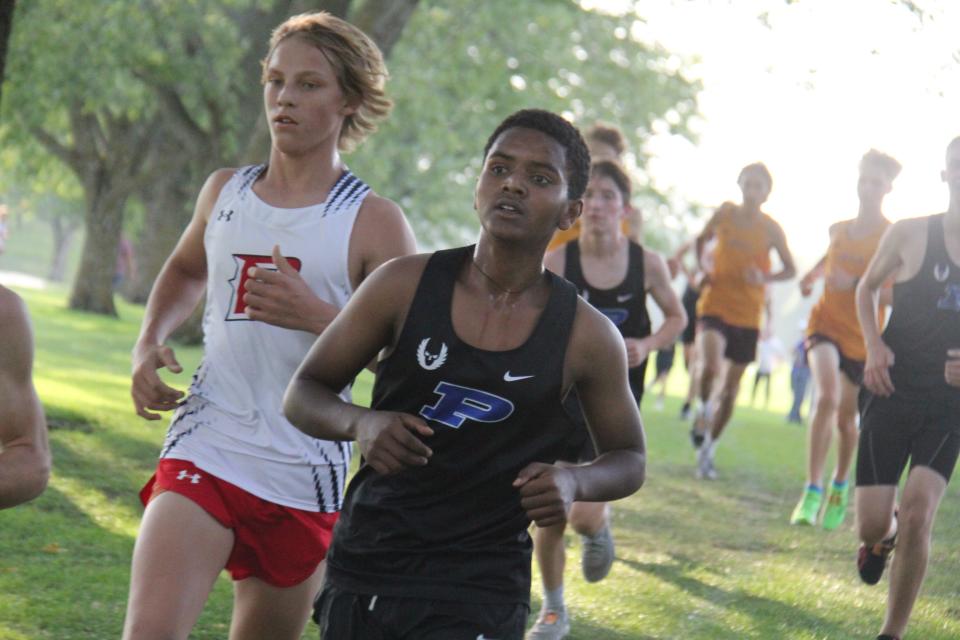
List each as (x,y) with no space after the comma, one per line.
(231,424)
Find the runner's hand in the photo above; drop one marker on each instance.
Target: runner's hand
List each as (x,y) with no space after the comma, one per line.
(637,351)
(840,280)
(389,443)
(951,371)
(147,389)
(876,371)
(754,276)
(806,287)
(283,298)
(546,492)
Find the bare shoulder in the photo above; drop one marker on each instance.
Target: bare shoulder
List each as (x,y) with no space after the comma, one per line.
(13,311)
(837,227)
(397,278)
(379,211)
(211,191)
(593,333)
(16,344)
(381,232)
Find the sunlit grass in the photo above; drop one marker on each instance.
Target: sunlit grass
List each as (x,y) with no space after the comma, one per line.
(695,560)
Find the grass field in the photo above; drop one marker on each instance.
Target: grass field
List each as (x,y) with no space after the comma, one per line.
(695,560)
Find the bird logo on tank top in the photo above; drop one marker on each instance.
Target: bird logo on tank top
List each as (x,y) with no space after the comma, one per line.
(431,361)
(236,310)
(941,272)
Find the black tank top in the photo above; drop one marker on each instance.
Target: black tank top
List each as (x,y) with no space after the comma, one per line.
(625,304)
(925,322)
(454,529)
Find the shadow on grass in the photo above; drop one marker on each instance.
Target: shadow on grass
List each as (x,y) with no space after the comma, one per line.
(771,617)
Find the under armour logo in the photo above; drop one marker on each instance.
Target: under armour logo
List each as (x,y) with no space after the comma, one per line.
(430,361)
(224,215)
(941,272)
(184,475)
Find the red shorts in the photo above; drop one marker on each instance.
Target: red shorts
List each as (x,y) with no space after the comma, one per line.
(279,545)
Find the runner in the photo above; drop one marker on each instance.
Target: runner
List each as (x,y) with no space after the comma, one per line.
(605,142)
(732,301)
(24,450)
(835,349)
(279,248)
(614,275)
(910,409)
(477,347)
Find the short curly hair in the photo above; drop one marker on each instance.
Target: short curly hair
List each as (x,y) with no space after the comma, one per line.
(609,135)
(760,169)
(615,171)
(357,61)
(886,163)
(567,136)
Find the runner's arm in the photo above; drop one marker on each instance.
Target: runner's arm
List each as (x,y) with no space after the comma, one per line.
(596,364)
(811,276)
(658,284)
(175,294)
(369,323)
(778,240)
(24,450)
(887,259)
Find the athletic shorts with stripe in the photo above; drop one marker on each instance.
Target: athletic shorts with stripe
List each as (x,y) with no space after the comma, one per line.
(894,430)
(280,545)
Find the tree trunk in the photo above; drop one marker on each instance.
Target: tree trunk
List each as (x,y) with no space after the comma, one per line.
(6,26)
(167,203)
(103,219)
(63,234)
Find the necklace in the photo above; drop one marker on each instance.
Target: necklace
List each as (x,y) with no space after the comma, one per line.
(501,287)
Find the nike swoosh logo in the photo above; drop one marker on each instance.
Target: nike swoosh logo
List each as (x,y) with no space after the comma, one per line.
(624,297)
(509,378)
(483,637)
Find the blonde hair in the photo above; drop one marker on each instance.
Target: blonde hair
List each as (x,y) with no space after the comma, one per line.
(887,164)
(357,62)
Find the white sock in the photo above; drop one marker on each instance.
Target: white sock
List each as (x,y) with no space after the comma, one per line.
(553,599)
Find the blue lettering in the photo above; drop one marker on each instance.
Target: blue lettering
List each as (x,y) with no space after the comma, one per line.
(951,298)
(458,404)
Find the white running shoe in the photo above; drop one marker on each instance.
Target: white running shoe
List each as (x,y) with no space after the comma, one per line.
(550,625)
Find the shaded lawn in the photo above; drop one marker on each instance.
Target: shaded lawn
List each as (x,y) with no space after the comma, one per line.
(695,560)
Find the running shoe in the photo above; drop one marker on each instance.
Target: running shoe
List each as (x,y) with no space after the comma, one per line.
(597,555)
(836,509)
(884,636)
(550,625)
(705,467)
(871,562)
(808,508)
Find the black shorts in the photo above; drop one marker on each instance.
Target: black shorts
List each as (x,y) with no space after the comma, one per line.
(851,368)
(343,615)
(741,342)
(689,301)
(664,359)
(893,430)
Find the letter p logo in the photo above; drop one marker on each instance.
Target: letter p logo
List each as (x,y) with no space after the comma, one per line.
(458,404)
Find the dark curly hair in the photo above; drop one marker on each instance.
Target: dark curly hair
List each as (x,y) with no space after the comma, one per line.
(576,154)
